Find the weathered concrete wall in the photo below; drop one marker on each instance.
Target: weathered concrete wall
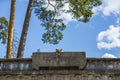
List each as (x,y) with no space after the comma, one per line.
(95,69)
(65,59)
(93,64)
(103,64)
(59,75)
(15,64)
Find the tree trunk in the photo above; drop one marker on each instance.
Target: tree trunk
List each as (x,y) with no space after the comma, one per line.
(11,28)
(25,30)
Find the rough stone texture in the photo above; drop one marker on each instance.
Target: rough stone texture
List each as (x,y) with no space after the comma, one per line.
(95,69)
(59,75)
(15,64)
(92,64)
(65,59)
(103,64)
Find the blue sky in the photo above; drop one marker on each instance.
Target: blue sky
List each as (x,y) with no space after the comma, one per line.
(100,37)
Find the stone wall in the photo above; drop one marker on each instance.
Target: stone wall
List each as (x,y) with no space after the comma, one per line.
(95,69)
(60,75)
(103,64)
(15,64)
(93,64)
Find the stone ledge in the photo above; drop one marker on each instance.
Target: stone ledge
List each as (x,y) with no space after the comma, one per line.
(58,72)
(94,64)
(63,59)
(16,60)
(103,59)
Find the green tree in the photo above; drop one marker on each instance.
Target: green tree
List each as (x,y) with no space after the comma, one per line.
(79,9)
(10,30)
(25,30)
(4,35)
(3,30)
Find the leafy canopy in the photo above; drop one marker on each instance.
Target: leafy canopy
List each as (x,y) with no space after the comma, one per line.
(3,30)
(49,10)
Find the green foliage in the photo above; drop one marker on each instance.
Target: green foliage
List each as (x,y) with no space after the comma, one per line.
(82,9)
(3,30)
(49,10)
(53,26)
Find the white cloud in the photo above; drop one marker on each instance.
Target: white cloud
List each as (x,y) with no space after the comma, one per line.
(107,55)
(109,38)
(118,20)
(66,16)
(108,7)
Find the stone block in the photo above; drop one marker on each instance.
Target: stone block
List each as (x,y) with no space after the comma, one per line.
(64,59)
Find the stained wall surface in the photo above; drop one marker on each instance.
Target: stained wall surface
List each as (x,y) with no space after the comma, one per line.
(95,69)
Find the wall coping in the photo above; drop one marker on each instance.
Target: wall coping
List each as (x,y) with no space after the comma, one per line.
(104,59)
(78,72)
(30,59)
(18,60)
